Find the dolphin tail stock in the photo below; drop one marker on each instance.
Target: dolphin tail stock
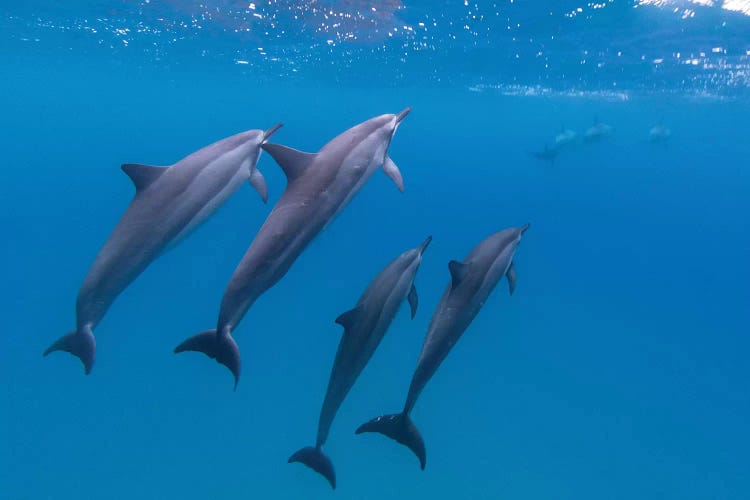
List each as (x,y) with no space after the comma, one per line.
(313,457)
(401,429)
(220,347)
(80,343)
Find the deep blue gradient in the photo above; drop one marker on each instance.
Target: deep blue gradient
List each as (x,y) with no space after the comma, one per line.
(617,370)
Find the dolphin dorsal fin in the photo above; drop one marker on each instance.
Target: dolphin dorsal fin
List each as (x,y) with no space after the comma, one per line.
(291,161)
(142,175)
(458,272)
(348,318)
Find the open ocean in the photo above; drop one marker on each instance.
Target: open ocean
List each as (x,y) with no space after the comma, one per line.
(617,370)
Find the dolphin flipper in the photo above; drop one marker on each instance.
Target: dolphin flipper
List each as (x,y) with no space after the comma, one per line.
(80,343)
(222,348)
(413,301)
(392,171)
(511,275)
(258,182)
(400,428)
(317,460)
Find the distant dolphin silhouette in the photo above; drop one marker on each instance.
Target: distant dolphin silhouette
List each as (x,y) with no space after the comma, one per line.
(659,133)
(169,203)
(364,328)
(597,131)
(548,154)
(565,137)
(472,281)
(319,186)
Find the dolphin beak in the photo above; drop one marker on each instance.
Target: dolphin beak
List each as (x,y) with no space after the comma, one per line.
(402,115)
(524,228)
(424,245)
(268,133)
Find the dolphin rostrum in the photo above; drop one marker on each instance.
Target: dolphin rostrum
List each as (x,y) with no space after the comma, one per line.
(364,328)
(169,203)
(472,281)
(319,186)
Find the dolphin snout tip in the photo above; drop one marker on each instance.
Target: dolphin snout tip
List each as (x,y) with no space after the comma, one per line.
(403,114)
(525,227)
(424,245)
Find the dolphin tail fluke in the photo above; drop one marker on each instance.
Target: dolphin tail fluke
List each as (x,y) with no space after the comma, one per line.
(222,348)
(400,428)
(314,458)
(80,343)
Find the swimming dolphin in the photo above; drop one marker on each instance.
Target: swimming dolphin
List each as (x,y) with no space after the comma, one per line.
(319,186)
(169,203)
(597,131)
(659,134)
(565,137)
(472,281)
(548,154)
(364,328)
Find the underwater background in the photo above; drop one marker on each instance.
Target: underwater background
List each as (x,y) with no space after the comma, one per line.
(618,369)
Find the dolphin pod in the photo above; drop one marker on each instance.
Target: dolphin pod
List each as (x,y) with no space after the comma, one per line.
(364,327)
(472,281)
(319,187)
(169,203)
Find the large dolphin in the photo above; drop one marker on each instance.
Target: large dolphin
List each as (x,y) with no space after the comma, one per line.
(319,186)
(472,281)
(364,328)
(169,203)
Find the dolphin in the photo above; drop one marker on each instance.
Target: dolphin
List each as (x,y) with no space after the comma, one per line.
(659,134)
(472,281)
(565,137)
(364,328)
(597,131)
(548,154)
(319,187)
(169,203)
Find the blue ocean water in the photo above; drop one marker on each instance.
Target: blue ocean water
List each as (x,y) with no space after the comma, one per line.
(616,370)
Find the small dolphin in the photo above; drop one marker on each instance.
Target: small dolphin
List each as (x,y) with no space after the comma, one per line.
(548,154)
(364,328)
(471,284)
(565,137)
(169,203)
(597,131)
(319,186)
(659,134)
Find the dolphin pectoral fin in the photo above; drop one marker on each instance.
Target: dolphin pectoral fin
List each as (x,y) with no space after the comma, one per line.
(80,343)
(291,161)
(259,183)
(142,175)
(317,461)
(511,275)
(413,301)
(392,171)
(222,348)
(458,271)
(400,428)
(348,318)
